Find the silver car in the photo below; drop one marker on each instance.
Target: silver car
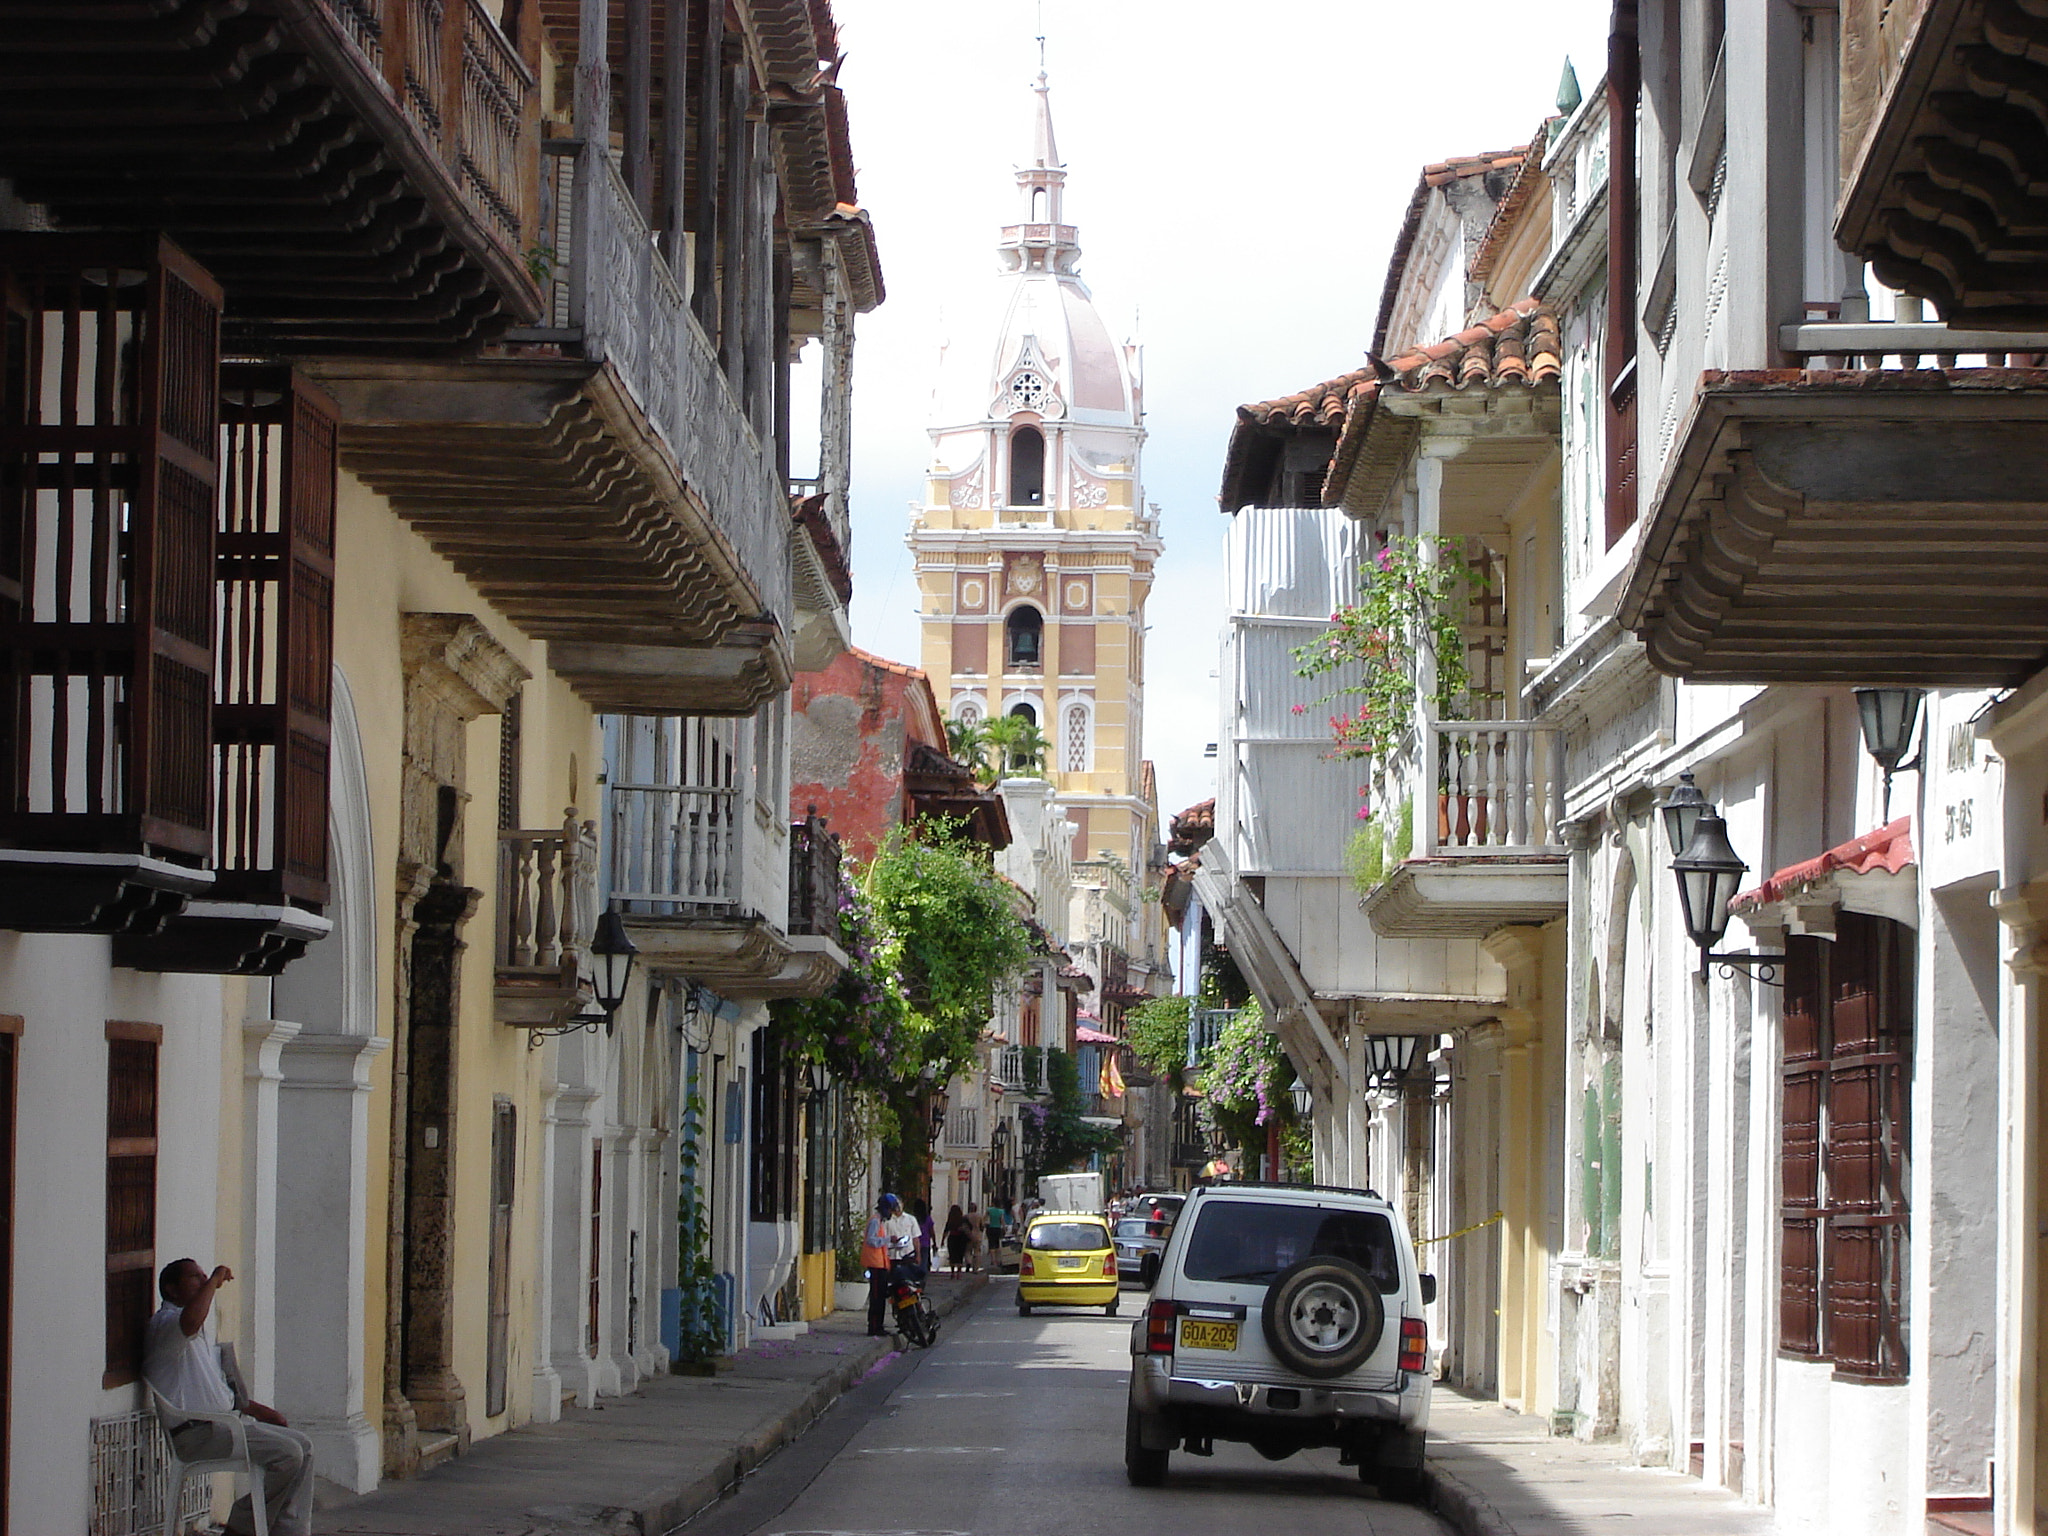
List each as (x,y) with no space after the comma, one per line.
(1140,1240)
(1285,1317)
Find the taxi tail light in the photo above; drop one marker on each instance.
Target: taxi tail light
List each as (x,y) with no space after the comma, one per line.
(1026,1267)
(1414,1344)
(1159,1328)
(1109,1264)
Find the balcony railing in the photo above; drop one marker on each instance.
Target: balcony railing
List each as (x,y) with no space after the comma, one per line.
(674,848)
(547,899)
(610,286)
(1019,1068)
(1500,789)
(465,90)
(815,882)
(963,1128)
(1828,341)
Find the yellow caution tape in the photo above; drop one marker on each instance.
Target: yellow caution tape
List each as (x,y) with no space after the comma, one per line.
(1424,1242)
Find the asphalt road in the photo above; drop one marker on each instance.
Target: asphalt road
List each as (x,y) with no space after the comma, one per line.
(1016,1425)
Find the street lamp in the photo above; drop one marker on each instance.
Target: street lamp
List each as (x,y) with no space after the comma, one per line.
(938,1115)
(1389,1057)
(612,952)
(817,1080)
(1681,810)
(1303,1097)
(1708,873)
(1890,718)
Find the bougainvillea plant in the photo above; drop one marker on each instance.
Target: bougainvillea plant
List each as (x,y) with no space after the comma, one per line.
(1157,1033)
(1245,1079)
(858,1028)
(1408,604)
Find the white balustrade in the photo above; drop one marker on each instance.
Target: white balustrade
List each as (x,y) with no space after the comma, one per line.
(1499,789)
(674,847)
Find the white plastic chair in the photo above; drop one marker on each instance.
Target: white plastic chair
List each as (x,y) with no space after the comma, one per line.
(237,1461)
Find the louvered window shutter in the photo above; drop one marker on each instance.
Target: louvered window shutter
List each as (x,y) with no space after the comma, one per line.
(1805,1074)
(108,471)
(274,683)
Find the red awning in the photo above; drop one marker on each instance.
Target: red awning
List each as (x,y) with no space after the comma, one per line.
(1089,1036)
(1889,848)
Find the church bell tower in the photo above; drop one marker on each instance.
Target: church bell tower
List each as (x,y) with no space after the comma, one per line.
(1035,546)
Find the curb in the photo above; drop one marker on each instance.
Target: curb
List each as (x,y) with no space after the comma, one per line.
(659,1516)
(1463,1506)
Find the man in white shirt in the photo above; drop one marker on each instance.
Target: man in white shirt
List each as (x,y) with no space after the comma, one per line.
(182,1362)
(892,1230)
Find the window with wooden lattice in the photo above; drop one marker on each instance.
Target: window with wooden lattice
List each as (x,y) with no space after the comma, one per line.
(1847,1083)
(131,1194)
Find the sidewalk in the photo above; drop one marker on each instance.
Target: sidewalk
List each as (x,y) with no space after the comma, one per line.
(637,1465)
(1499,1473)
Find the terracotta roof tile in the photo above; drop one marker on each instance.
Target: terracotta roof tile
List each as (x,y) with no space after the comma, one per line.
(1527,175)
(1518,347)
(1441,174)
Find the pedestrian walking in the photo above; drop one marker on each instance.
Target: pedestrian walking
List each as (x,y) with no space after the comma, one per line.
(959,1238)
(927,1239)
(998,1224)
(977,1239)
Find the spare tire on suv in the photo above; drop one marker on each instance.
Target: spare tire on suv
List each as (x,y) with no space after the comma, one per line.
(1323,1317)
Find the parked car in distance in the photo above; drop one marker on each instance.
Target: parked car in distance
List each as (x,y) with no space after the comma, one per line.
(1068,1261)
(1284,1316)
(1140,1240)
(1167,1203)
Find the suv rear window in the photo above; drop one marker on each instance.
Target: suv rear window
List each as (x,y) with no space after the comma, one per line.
(1068,1236)
(1253,1241)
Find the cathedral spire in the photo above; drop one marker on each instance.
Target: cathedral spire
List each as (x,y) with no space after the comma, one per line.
(1042,240)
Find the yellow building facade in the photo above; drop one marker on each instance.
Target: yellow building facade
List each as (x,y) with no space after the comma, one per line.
(1035,546)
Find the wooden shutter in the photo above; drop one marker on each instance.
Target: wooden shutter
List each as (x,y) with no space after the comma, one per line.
(273,683)
(1865,1151)
(131,1195)
(1805,1075)
(108,473)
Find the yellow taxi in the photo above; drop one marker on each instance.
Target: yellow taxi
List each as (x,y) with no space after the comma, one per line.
(1068,1261)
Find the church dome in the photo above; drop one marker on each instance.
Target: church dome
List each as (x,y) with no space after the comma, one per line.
(1038,343)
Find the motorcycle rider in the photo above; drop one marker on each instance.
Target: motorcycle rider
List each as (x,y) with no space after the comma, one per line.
(892,1230)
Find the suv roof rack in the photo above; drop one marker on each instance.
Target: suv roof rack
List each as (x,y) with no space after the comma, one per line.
(1327,1189)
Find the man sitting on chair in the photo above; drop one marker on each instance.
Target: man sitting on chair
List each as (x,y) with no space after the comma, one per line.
(183,1363)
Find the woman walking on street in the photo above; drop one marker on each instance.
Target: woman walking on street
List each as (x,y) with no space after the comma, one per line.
(958,1236)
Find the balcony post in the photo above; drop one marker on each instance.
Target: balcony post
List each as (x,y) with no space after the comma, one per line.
(1429,485)
(639,89)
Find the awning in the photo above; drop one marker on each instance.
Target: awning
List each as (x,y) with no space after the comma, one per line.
(1089,1036)
(1889,849)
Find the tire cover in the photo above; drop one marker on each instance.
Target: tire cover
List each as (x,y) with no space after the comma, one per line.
(1322,1317)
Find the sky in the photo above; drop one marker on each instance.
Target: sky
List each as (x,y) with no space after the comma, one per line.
(1237,172)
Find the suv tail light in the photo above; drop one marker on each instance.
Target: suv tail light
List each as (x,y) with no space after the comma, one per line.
(1414,1344)
(1159,1328)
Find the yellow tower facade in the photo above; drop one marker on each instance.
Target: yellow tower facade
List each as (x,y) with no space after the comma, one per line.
(1035,546)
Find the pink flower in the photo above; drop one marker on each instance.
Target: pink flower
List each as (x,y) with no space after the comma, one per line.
(1386,558)
(1301,709)
(1365,813)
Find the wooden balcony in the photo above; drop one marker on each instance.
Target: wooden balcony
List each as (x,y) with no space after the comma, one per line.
(681,858)
(109,468)
(547,916)
(1853,526)
(1488,850)
(359,175)
(598,478)
(273,664)
(1942,148)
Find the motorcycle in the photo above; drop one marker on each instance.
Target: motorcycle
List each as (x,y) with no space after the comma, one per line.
(915,1319)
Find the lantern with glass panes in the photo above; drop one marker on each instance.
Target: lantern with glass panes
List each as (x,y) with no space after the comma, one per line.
(612,953)
(1709,872)
(1390,1058)
(1891,719)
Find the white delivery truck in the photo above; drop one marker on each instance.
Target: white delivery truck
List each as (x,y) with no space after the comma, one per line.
(1071,1191)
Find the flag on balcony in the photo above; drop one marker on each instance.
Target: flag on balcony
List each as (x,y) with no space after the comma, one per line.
(1112,1080)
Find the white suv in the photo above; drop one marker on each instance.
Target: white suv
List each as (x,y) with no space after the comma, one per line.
(1285,1316)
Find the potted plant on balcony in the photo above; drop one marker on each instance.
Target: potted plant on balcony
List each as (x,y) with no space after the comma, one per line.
(1411,606)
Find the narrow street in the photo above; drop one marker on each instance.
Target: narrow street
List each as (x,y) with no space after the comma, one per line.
(1015,1425)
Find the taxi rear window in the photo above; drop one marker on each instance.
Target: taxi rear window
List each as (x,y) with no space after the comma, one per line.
(1249,1241)
(1068,1236)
